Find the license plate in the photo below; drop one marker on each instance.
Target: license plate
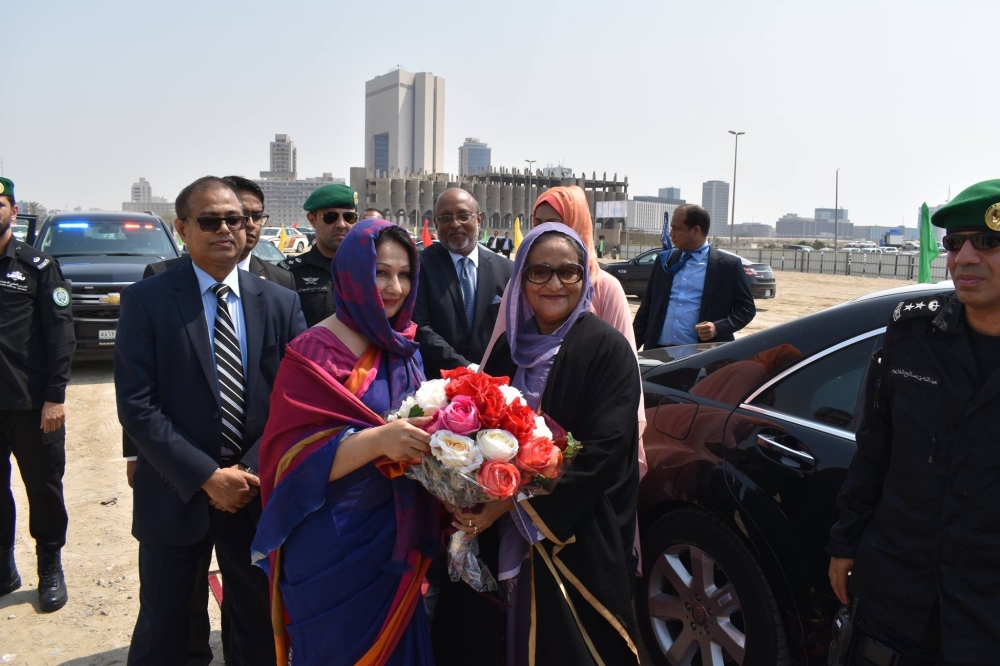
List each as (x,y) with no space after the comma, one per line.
(106,335)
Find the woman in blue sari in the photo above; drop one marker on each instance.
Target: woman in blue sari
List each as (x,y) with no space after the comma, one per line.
(346,546)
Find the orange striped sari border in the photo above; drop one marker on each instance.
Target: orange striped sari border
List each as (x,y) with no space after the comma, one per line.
(395,625)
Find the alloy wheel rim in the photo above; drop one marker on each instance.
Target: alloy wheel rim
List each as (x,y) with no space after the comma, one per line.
(694,609)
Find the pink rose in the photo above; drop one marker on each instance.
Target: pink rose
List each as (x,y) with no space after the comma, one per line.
(499,479)
(459,416)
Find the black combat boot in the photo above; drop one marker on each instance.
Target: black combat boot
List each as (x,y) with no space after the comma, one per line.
(52,593)
(9,578)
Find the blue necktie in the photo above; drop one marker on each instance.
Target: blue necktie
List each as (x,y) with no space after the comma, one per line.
(676,268)
(465,279)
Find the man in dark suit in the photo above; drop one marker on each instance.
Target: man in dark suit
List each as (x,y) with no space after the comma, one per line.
(458,298)
(695,293)
(200,347)
(252,200)
(506,244)
(494,242)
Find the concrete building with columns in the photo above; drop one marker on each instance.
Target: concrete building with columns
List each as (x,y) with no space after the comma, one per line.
(503,194)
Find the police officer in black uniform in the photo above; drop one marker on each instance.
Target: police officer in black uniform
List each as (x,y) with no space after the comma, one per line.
(919,513)
(36,348)
(332,210)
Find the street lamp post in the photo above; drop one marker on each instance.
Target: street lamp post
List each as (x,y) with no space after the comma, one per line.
(836,208)
(732,221)
(527,193)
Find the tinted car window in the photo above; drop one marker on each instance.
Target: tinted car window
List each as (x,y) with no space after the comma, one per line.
(108,237)
(825,390)
(648,258)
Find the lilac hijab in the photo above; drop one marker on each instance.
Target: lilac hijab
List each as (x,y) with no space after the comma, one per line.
(531,351)
(360,308)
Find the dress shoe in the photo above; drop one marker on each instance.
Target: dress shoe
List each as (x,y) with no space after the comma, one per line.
(52,593)
(9,578)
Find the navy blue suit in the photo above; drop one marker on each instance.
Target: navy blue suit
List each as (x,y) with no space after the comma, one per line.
(168,403)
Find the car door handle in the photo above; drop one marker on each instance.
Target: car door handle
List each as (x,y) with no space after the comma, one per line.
(768,441)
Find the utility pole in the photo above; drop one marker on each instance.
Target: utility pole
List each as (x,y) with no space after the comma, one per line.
(527,194)
(836,208)
(732,221)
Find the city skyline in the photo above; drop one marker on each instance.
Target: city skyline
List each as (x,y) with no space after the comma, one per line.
(898,139)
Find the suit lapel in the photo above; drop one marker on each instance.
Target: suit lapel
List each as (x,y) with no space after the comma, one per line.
(711,280)
(255,318)
(484,282)
(188,298)
(256,267)
(447,269)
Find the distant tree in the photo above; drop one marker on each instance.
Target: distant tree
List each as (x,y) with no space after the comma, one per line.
(31,207)
(818,244)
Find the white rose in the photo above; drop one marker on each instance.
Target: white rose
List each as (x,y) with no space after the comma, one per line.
(510,394)
(542,430)
(404,409)
(497,444)
(431,397)
(456,451)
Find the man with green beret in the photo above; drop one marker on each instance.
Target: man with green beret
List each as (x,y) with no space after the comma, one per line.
(919,513)
(332,210)
(36,348)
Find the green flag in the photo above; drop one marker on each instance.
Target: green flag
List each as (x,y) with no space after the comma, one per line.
(483,239)
(928,245)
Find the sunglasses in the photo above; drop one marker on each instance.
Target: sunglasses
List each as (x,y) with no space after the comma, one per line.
(211,224)
(331,217)
(984,241)
(259,218)
(542,273)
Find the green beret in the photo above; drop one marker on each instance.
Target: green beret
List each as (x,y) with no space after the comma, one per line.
(333,195)
(976,208)
(6,187)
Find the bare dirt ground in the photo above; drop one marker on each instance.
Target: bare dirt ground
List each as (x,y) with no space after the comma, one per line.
(100,558)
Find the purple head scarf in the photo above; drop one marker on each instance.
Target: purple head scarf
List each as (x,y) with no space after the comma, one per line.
(360,307)
(531,351)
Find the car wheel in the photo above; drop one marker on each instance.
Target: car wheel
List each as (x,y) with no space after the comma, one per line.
(300,246)
(703,599)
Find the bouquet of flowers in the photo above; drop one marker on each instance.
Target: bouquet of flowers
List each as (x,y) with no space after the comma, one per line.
(487,444)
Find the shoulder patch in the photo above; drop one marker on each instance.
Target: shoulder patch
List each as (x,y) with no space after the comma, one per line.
(60,296)
(917,307)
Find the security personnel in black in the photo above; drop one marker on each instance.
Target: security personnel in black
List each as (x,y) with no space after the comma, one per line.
(36,348)
(919,513)
(332,210)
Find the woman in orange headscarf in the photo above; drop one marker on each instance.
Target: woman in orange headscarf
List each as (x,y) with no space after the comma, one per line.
(569,206)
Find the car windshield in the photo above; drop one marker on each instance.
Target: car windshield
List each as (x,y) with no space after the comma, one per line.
(270,231)
(20,231)
(107,237)
(268,252)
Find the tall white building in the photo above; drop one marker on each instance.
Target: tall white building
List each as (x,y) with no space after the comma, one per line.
(143,201)
(715,199)
(284,159)
(404,122)
(648,215)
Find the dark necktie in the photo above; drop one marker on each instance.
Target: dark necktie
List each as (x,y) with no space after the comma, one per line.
(468,295)
(676,268)
(229,365)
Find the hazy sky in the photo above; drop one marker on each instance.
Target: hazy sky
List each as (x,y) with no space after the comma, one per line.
(902,96)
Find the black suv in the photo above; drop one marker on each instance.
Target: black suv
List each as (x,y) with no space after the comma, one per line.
(101,254)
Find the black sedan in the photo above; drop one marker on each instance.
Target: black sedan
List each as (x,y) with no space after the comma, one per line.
(748,444)
(634,274)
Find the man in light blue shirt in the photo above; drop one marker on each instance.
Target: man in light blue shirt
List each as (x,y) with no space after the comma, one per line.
(695,293)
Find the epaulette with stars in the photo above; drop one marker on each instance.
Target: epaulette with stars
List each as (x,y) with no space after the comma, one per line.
(914,308)
(288,263)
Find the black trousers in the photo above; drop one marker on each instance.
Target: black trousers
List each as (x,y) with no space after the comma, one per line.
(925,652)
(41,457)
(167,579)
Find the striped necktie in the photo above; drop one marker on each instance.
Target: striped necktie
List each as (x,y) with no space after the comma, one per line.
(467,294)
(229,365)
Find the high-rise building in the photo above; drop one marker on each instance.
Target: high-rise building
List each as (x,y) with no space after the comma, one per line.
(284,159)
(284,193)
(404,122)
(473,157)
(715,199)
(831,215)
(143,201)
(646,213)
(142,191)
(670,193)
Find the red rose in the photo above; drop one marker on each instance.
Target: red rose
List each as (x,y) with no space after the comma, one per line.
(499,479)
(540,456)
(518,419)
